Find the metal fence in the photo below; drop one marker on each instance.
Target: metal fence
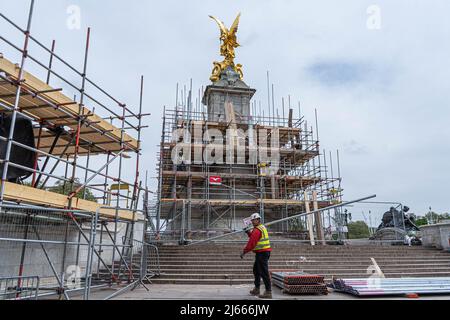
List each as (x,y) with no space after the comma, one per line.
(41,241)
(18,288)
(70,250)
(144,259)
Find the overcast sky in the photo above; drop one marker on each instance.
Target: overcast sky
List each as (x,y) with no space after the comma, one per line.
(382,94)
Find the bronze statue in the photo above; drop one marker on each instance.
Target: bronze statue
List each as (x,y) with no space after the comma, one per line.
(228,44)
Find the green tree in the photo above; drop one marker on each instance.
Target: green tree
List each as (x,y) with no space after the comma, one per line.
(358,230)
(421,221)
(432,216)
(444,216)
(64,188)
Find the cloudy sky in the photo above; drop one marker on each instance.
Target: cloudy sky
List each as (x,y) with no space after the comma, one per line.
(377,73)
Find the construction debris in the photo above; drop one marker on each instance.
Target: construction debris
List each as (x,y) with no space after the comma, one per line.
(392,286)
(298,282)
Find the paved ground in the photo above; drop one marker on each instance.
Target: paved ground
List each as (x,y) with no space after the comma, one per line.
(213,292)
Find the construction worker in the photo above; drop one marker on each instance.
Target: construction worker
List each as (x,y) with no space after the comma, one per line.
(259,243)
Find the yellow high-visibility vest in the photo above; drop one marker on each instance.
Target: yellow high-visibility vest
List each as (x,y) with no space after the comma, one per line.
(263,242)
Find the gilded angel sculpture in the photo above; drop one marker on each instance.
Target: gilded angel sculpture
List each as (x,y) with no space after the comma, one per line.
(228,44)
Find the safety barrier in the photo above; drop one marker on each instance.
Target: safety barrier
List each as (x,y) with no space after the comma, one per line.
(18,288)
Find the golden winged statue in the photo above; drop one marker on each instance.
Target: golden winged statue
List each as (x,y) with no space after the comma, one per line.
(227,46)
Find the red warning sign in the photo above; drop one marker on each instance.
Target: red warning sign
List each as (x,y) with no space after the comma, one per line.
(215,180)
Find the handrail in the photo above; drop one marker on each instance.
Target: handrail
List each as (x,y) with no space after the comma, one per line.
(295,216)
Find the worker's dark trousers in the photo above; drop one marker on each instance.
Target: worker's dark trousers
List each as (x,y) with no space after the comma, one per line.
(261,269)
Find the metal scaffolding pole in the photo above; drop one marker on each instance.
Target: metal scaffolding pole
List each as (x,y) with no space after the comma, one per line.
(16,104)
(295,216)
(76,129)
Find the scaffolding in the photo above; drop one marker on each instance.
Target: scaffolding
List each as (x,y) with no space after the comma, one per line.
(190,206)
(83,139)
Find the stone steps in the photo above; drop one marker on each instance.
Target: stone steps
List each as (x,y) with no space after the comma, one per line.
(243,274)
(214,269)
(310,269)
(286,246)
(247,268)
(297,251)
(297,247)
(221,264)
(166,279)
(296,256)
(308,262)
(317,254)
(300,252)
(295,260)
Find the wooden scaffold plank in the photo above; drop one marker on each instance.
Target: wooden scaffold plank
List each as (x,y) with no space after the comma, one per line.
(22,193)
(66,113)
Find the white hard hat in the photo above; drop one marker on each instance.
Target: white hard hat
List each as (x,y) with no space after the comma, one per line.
(255,216)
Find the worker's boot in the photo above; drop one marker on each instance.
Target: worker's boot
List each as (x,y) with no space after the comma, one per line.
(266,295)
(255,292)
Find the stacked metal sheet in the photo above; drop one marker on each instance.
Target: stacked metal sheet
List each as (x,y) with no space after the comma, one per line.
(298,282)
(392,286)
